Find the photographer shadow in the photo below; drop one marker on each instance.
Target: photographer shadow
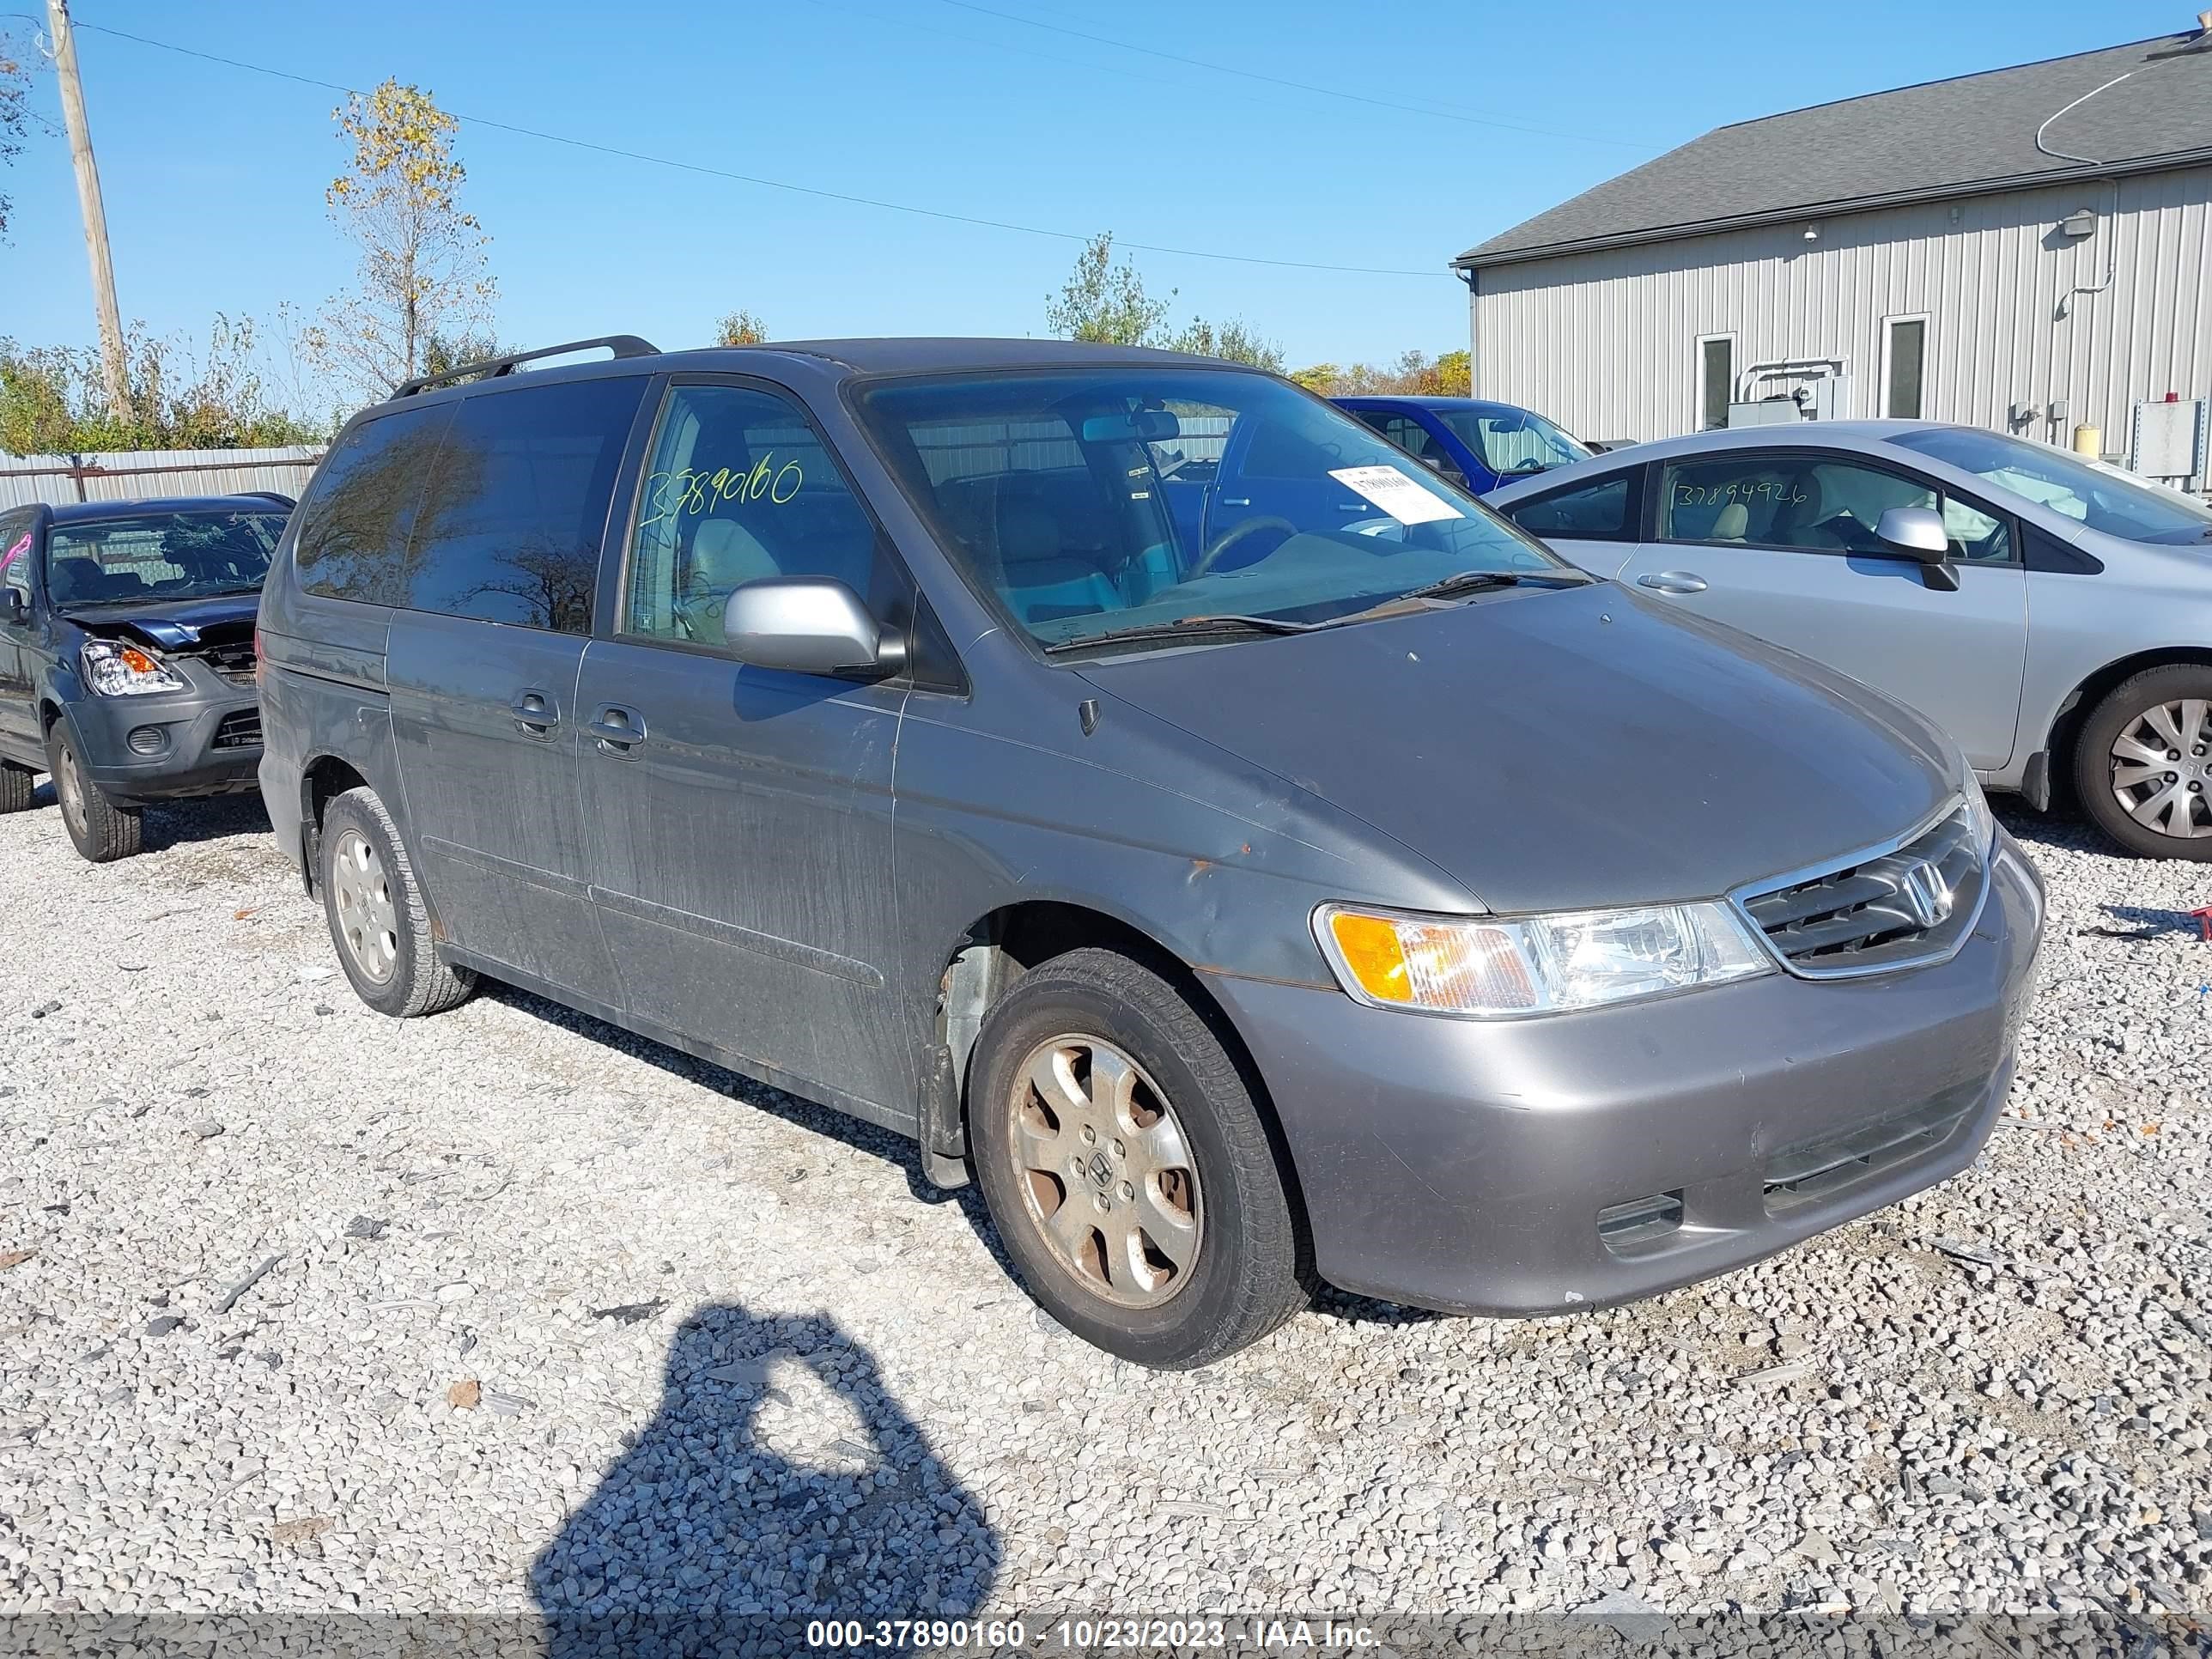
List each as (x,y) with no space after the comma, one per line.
(779,1482)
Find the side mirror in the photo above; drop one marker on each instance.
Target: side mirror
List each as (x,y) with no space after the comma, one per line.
(15,608)
(1917,532)
(807,625)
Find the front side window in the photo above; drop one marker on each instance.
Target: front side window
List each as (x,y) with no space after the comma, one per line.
(1809,502)
(1090,502)
(15,555)
(1604,509)
(1513,443)
(187,555)
(739,489)
(2090,493)
(515,507)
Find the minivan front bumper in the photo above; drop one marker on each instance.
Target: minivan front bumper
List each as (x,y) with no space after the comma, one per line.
(1521,1167)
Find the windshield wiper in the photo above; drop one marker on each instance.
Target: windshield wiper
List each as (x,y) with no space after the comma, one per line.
(1184,627)
(1474,581)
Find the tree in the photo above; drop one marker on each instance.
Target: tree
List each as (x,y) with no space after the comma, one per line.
(422,270)
(14,112)
(1107,304)
(1415,375)
(740,328)
(53,399)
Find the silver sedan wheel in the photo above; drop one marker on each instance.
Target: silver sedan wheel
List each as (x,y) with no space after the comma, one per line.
(367,920)
(2162,765)
(1106,1176)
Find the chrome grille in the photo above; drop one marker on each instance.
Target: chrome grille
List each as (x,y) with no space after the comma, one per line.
(1898,907)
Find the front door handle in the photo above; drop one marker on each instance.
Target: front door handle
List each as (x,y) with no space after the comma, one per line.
(1672,582)
(619,730)
(535,714)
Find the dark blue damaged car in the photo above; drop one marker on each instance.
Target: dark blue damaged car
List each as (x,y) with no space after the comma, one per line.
(126,656)
(1361,895)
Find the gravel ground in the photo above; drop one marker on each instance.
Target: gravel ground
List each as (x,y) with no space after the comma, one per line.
(503,1311)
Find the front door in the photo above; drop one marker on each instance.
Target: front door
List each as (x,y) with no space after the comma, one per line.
(19,723)
(482,664)
(1781,544)
(740,818)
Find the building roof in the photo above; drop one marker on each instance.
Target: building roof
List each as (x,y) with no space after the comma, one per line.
(2121,109)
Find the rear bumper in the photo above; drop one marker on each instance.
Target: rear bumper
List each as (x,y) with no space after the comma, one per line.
(209,743)
(1465,1165)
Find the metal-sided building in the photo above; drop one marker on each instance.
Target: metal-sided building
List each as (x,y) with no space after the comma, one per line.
(2028,250)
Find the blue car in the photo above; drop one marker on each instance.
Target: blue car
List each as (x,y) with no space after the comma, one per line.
(1476,445)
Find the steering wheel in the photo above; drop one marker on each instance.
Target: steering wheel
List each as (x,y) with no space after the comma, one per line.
(1228,538)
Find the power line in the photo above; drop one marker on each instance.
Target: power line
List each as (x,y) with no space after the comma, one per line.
(1441,113)
(540,134)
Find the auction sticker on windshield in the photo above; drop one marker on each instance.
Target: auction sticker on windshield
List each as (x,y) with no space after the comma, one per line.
(1395,494)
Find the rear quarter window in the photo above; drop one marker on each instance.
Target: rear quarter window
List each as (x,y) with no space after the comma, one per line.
(361,508)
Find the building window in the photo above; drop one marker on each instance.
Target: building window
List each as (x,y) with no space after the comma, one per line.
(1905,348)
(1716,379)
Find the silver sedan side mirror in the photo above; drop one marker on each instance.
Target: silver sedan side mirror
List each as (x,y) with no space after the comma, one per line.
(1917,532)
(807,625)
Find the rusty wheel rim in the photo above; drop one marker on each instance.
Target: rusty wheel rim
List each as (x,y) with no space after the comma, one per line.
(1105,1172)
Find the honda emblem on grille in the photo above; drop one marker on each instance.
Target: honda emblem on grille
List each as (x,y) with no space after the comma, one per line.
(1926,895)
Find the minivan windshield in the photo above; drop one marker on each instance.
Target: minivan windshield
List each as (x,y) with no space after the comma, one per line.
(1514,443)
(191,554)
(2090,493)
(1146,502)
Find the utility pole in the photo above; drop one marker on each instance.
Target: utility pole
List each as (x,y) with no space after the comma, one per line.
(96,215)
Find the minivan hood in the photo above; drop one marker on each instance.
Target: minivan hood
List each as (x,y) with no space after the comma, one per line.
(172,624)
(1563,748)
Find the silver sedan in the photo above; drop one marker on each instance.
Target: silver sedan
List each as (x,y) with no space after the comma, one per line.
(2053,613)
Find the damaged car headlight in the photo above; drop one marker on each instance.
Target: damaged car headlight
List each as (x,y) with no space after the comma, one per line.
(1499,967)
(115,670)
(1984,821)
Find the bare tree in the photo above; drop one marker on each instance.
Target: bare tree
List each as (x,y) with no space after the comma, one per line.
(421,272)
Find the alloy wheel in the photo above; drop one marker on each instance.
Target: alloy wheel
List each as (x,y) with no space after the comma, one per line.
(367,920)
(69,784)
(1106,1176)
(2162,766)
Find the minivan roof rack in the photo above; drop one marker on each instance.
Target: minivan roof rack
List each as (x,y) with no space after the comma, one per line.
(621,345)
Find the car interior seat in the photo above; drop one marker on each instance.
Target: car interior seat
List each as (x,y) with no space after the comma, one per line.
(77,580)
(1039,578)
(1732,524)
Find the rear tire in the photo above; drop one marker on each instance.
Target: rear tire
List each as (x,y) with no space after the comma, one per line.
(379,925)
(99,829)
(1127,1167)
(2140,752)
(16,788)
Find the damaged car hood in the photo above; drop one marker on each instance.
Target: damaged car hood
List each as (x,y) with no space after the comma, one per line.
(176,624)
(1571,748)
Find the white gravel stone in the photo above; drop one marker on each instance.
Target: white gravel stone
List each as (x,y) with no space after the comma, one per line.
(718,1354)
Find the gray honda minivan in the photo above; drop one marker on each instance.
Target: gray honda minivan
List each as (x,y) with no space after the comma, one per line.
(1242,852)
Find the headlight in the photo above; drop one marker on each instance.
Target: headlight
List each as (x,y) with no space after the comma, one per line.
(1490,968)
(1978,813)
(115,670)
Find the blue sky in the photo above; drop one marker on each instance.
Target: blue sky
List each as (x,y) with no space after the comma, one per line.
(213,176)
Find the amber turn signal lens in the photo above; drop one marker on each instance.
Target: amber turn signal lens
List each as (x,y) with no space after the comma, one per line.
(137,661)
(1371,952)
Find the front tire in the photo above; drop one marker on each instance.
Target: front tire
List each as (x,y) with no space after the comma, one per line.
(378,922)
(1127,1167)
(99,829)
(2143,765)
